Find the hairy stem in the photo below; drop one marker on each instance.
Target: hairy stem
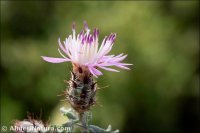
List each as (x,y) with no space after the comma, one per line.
(84,122)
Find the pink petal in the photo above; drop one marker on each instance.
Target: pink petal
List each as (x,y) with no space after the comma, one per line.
(61,46)
(121,66)
(120,58)
(126,64)
(108,69)
(94,71)
(55,60)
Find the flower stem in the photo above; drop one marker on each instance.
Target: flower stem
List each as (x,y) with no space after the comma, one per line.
(84,122)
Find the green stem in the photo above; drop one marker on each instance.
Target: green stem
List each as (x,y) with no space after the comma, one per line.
(84,122)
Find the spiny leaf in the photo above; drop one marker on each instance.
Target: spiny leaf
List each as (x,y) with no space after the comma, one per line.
(96,129)
(69,113)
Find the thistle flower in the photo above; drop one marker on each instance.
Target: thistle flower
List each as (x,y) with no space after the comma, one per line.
(29,126)
(83,50)
(86,56)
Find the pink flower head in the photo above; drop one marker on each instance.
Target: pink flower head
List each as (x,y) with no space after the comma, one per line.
(84,50)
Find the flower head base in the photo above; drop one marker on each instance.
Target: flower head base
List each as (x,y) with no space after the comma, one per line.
(84,50)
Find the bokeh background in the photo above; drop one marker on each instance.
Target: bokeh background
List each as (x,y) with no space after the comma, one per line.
(159,94)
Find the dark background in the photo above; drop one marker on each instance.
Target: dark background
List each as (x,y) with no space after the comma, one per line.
(159,94)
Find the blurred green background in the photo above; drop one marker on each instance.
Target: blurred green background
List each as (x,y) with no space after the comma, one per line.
(158,94)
